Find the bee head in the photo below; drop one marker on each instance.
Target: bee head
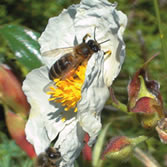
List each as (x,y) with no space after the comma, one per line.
(93,45)
(53,153)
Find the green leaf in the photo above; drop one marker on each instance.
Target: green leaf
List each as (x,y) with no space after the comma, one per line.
(98,146)
(11,155)
(23,42)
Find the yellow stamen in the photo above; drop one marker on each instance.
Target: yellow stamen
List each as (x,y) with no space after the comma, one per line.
(75,110)
(68,91)
(63,119)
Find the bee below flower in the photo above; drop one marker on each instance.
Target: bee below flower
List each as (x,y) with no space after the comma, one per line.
(50,157)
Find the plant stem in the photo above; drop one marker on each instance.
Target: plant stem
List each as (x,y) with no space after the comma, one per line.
(135,141)
(163,44)
(146,159)
(122,107)
(117,104)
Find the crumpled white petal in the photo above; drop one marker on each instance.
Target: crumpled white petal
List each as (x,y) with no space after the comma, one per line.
(94,93)
(71,143)
(45,121)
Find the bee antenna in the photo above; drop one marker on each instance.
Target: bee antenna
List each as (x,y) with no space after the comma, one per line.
(95,33)
(104,41)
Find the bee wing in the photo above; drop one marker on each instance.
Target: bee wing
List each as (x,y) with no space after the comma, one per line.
(49,57)
(57,52)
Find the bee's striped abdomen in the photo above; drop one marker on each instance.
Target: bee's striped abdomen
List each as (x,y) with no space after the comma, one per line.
(60,66)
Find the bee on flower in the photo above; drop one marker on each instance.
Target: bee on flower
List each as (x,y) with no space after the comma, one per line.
(69,70)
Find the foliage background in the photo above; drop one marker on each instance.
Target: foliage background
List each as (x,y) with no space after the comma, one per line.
(142,40)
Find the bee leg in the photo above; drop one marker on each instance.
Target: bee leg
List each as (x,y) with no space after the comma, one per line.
(107,53)
(86,36)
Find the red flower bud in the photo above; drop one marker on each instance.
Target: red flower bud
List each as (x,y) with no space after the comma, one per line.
(121,147)
(118,148)
(145,99)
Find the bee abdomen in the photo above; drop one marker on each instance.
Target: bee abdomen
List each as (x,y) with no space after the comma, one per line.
(54,71)
(59,67)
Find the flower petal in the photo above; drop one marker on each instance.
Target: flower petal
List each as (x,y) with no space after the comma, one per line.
(94,95)
(38,128)
(71,143)
(110,24)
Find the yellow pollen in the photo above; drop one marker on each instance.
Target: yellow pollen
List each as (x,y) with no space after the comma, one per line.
(68,91)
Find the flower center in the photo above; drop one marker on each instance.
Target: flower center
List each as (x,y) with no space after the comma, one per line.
(68,91)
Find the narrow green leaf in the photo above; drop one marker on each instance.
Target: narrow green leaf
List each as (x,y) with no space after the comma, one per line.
(98,146)
(161,33)
(23,42)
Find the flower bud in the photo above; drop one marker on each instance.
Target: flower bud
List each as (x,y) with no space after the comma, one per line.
(16,125)
(121,147)
(16,108)
(145,99)
(11,93)
(161,128)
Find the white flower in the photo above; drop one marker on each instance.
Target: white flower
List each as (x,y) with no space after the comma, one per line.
(49,120)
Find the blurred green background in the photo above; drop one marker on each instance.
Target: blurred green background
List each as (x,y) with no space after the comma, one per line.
(142,40)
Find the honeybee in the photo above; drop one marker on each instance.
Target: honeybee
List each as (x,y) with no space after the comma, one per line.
(50,158)
(72,58)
